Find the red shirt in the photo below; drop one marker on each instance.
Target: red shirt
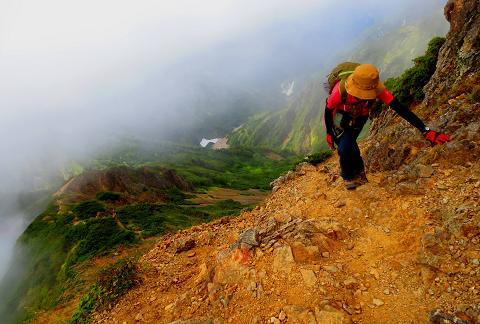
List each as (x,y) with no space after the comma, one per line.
(353,105)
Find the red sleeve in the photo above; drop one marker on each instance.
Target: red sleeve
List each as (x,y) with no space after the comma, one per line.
(335,98)
(386,97)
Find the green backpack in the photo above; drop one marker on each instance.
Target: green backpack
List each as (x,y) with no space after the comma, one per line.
(340,74)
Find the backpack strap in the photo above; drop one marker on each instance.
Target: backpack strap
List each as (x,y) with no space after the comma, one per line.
(343,90)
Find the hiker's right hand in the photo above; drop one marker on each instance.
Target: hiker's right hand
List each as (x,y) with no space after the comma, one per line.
(330,141)
(436,137)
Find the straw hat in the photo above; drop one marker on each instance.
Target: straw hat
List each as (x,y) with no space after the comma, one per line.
(364,82)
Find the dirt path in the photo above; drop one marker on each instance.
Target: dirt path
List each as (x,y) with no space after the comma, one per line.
(325,255)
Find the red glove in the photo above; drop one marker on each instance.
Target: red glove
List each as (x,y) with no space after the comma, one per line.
(330,141)
(436,138)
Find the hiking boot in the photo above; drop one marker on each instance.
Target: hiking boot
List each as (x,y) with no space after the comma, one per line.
(351,184)
(361,178)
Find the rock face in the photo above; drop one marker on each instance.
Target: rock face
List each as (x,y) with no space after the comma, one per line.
(459,56)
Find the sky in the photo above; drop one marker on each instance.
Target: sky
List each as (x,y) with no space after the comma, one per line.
(75,75)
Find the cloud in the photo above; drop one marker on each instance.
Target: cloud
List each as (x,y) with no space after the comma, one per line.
(75,73)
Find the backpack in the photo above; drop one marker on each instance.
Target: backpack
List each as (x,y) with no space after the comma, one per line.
(340,74)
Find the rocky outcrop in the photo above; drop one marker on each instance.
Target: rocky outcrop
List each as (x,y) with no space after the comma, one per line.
(143,183)
(458,59)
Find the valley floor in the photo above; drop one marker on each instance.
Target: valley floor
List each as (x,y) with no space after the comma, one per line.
(318,254)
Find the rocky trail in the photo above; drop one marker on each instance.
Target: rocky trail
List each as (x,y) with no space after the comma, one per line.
(316,253)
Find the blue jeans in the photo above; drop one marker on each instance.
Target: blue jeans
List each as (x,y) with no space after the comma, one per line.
(351,162)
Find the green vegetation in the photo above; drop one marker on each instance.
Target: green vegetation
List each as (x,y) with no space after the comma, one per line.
(475,94)
(296,128)
(237,168)
(391,47)
(408,87)
(95,237)
(112,283)
(316,158)
(154,219)
(60,239)
(88,209)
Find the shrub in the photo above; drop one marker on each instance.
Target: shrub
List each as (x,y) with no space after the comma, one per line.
(408,88)
(316,158)
(98,236)
(88,209)
(108,196)
(145,217)
(174,195)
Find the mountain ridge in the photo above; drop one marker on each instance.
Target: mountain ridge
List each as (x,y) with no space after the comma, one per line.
(299,126)
(401,248)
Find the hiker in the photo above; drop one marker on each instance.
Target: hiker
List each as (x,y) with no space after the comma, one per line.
(353,89)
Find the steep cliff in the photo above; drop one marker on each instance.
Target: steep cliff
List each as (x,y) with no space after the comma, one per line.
(458,66)
(299,126)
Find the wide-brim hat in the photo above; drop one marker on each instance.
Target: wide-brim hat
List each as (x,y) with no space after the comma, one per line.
(364,82)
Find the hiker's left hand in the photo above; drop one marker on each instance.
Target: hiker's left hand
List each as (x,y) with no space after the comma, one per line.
(436,137)
(330,142)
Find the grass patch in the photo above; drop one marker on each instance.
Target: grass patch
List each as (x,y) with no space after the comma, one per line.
(112,283)
(317,158)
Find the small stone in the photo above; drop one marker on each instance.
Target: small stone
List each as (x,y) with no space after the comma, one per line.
(305,254)
(330,268)
(378,302)
(282,316)
(350,283)
(330,316)
(274,320)
(340,204)
(476,262)
(249,237)
(283,218)
(185,246)
(139,317)
(386,291)
(309,277)
(191,254)
(169,306)
(326,254)
(375,274)
(424,171)
(252,286)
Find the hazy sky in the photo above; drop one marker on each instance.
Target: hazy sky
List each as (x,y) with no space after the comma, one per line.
(75,74)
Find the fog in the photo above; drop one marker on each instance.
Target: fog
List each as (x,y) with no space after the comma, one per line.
(78,75)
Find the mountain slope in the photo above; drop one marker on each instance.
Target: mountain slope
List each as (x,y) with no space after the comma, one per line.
(401,249)
(299,126)
(324,254)
(295,128)
(392,46)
